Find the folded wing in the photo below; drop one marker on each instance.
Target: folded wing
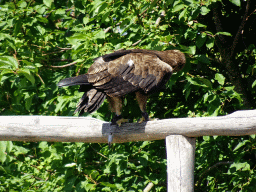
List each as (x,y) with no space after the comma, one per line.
(129,73)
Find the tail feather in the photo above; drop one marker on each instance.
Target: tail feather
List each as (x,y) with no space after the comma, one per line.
(90,101)
(95,102)
(78,80)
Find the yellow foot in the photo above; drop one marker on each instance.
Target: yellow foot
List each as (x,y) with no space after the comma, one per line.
(120,121)
(142,119)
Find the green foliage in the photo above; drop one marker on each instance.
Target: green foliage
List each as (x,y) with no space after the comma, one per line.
(42,42)
(82,167)
(227,167)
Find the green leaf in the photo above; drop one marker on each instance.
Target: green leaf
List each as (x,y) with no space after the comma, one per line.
(206,138)
(3,155)
(187,90)
(200,40)
(41,9)
(205,10)
(210,42)
(236,2)
(112,186)
(22,4)
(224,33)
(178,7)
(62,102)
(192,50)
(241,144)
(102,7)
(38,65)
(241,166)
(143,159)
(203,59)
(152,4)
(27,74)
(17,27)
(40,29)
(86,20)
(207,82)
(100,35)
(183,13)
(8,60)
(163,27)
(60,11)
(206,96)
(71,165)
(43,145)
(28,100)
(48,3)
(9,146)
(195,81)
(105,17)
(220,78)
(253,84)
(169,2)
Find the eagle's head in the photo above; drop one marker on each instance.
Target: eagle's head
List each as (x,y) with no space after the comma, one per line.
(175,58)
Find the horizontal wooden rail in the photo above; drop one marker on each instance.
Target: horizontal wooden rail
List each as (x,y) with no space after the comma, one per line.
(85,129)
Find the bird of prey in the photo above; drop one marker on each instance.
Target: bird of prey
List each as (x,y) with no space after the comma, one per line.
(116,74)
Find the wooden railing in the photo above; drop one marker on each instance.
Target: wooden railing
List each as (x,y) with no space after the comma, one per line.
(179,133)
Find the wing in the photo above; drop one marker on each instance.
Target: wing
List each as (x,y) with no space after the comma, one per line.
(129,73)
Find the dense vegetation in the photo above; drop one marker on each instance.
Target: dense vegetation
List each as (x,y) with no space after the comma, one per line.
(42,42)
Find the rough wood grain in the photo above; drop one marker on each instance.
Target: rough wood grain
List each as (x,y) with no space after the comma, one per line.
(84,129)
(180,163)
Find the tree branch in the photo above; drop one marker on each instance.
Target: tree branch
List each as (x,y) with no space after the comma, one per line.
(157,23)
(54,52)
(136,43)
(138,15)
(65,48)
(209,169)
(67,65)
(217,23)
(159,18)
(62,60)
(226,52)
(40,78)
(61,50)
(245,18)
(107,29)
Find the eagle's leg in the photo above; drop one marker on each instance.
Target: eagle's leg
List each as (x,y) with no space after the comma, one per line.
(116,104)
(142,101)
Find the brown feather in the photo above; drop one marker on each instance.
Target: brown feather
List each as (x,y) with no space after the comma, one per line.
(93,78)
(98,66)
(122,72)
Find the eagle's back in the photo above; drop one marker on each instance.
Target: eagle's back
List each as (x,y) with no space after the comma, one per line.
(129,71)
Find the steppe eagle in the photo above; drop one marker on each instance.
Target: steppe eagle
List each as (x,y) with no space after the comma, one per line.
(116,74)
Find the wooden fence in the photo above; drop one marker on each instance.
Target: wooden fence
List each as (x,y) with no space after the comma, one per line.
(179,133)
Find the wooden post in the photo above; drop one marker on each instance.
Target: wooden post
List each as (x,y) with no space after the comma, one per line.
(180,163)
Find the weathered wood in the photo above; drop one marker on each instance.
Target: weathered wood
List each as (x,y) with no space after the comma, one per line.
(149,187)
(180,163)
(84,129)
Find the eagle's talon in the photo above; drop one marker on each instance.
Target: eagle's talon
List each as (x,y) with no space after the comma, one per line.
(145,117)
(115,119)
(120,121)
(141,120)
